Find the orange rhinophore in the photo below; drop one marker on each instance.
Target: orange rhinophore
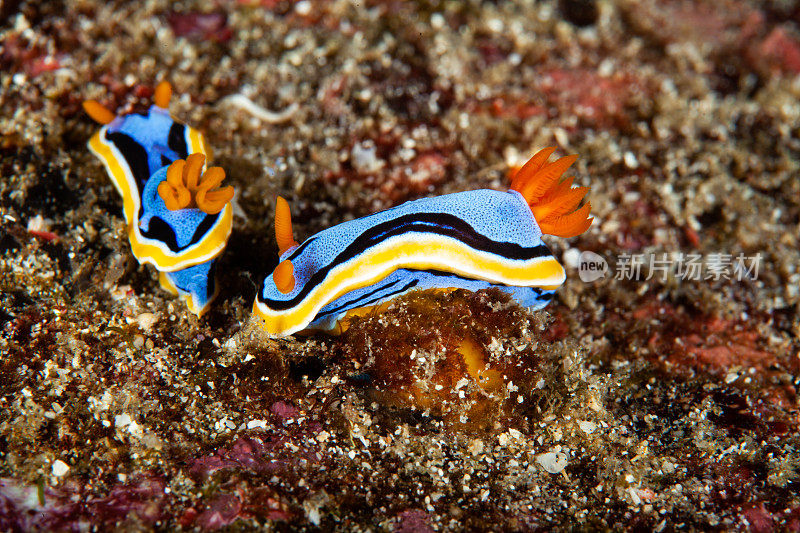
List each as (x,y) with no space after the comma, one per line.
(163,95)
(283,226)
(98,112)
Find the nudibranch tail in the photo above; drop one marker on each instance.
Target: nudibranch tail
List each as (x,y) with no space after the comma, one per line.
(553,202)
(98,112)
(283,226)
(162,95)
(195,285)
(186,188)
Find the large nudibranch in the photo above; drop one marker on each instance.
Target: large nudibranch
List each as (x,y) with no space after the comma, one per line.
(178,218)
(469,240)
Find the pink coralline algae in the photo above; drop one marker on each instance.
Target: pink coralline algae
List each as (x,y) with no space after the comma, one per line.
(425,171)
(507,106)
(28,507)
(711,343)
(17,52)
(222,510)
(758,519)
(389,180)
(413,521)
(284,411)
(598,100)
(201,26)
(246,453)
(258,452)
(780,51)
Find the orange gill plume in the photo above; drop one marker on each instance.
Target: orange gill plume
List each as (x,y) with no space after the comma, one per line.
(553,201)
(185,187)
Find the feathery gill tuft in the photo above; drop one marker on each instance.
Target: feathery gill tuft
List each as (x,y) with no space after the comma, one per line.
(553,201)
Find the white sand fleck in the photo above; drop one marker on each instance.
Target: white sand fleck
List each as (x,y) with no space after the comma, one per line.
(60,468)
(554,462)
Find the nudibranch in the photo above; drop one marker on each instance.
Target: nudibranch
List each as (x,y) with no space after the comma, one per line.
(468,240)
(178,218)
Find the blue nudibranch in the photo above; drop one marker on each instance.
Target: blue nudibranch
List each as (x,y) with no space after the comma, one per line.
(469,240)
(178,218)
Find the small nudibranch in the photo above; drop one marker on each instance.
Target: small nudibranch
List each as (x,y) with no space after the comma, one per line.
(469,240)
(178,220)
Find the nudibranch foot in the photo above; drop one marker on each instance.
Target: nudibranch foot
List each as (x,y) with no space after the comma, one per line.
(196,285)
(335,316)
(470,240)
(178,217)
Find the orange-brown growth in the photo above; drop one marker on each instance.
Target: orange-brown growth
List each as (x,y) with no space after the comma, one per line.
(98,112)
(163,94)
(552,201)
(283,226)
(185,187)
(283,276)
